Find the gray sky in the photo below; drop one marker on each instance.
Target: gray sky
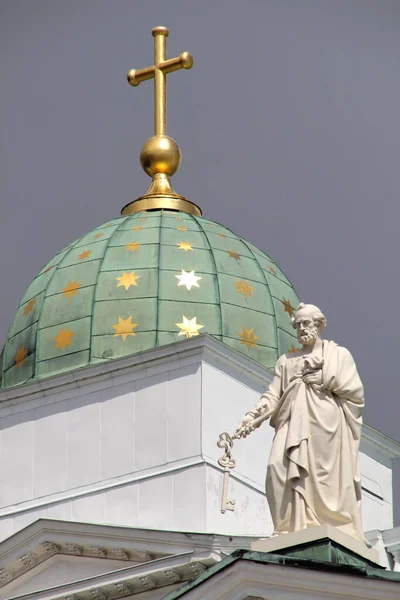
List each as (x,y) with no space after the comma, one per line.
(289,128)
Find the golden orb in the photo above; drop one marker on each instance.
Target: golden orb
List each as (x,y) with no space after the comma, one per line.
(160,154)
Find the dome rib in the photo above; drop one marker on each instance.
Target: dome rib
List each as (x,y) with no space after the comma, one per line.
(268,286)
(96,288)
(215,269)
(158,281)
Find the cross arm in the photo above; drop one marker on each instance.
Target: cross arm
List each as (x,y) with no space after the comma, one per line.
(183,61)
(136,76)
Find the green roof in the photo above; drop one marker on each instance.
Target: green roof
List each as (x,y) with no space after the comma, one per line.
(143,281)
(270,558)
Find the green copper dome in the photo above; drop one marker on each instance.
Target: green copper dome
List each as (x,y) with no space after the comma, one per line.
(143,281)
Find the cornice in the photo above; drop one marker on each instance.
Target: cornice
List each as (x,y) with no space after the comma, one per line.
(154,558)
(134,579)
(237,578)
(47,538)
(155,541)
(391,540)
(142,364)
(384,444)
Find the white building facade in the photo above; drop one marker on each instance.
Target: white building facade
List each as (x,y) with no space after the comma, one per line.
(119,462)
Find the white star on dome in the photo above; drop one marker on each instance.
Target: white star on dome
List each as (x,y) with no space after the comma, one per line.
(188,279)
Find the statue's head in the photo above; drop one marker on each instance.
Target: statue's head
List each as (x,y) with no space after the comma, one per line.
(308,322)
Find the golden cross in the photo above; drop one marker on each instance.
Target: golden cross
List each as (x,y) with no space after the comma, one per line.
(158,72)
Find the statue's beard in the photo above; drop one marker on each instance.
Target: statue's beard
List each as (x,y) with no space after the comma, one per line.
(308,336)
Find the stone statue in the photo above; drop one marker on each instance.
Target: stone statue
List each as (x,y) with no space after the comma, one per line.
(314,403)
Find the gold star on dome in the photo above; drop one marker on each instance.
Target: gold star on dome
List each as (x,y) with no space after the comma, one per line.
(182,228)
(188,327)
(132,246)
(71,289)
(185,246)
(188,279)
(20,357)
(248,338)
(222,235)
(272,270)
(124,327)
(48,269)
(110,224)
(234,255)
(64,338)
(84,254)
(127,279)
(293,349)
(99,235)
(137,228)
(143,218)
(29,307)
(243,287)
(212,224)
(179,218)
(288,307)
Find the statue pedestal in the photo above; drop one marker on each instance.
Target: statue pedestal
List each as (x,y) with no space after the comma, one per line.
(324,543)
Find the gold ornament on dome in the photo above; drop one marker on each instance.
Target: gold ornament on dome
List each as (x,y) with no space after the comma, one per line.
(133,246)
(160,156)
(20,357)
(293,349)
(234,255)
(85,254)
(124,327)
(185,246)
(127,279)
(98,236)
(288,307)
(71,289)
(243,287)
(64,338)
(189,327)
(29,307)
(248,338)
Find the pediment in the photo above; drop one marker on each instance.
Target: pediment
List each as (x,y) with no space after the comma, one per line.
(64,577)
(59,559)
(59,570)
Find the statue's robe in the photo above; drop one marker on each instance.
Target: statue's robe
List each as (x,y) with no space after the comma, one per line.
(313,474)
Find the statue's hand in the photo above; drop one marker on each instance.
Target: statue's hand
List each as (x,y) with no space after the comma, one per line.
(314,379)
(245,427)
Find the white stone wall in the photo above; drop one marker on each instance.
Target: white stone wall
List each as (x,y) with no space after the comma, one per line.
(68,441)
